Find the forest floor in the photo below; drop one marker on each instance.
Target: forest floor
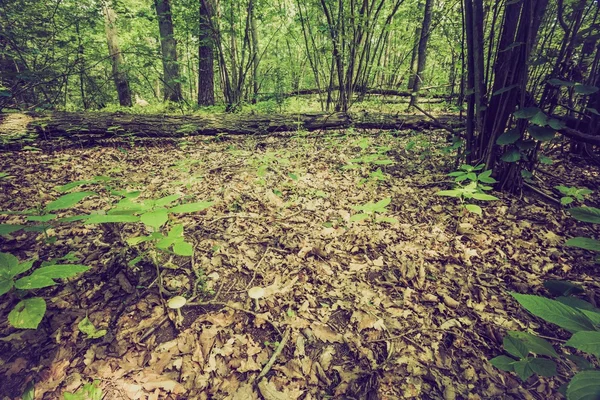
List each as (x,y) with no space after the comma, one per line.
(411,306)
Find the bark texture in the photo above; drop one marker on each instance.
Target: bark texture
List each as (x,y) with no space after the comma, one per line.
(168,44)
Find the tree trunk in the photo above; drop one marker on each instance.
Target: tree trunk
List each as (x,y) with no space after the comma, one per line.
(422,53)
(118,64)
(254,53)
(206,84)
(168,44)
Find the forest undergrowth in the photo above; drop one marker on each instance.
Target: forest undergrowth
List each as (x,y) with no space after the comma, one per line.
(372,285)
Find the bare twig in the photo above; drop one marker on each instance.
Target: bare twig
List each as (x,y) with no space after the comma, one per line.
(276,354)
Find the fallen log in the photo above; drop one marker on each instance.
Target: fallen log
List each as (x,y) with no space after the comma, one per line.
(89,126)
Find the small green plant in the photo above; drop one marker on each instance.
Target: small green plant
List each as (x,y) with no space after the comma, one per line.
(375,177)
(370,210)
(529,354)
(570,194)
(475,187)
(89,391)
(28,313)
(585,214)
(87,327)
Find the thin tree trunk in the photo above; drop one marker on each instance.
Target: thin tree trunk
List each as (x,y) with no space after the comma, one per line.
(206,83)
(118,64)
(168,44)
(422,52)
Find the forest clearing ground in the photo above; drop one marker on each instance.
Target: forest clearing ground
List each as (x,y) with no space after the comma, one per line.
(407,309)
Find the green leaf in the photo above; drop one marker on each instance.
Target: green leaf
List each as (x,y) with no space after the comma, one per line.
(449,193)
(7,262)
(559,82)
(191,207)
(565,201)
(107,219)
(585,89)
(586,341)
(584,386)
(526,113)
(41,218)
(556,124)
(543,366)
(484,196)
(541,133)
(156,218)
(359,217)
(7,229)
(534,344)
(584,243)
(166,242)
(539,119)
(526,144)
(579,361)
(165,201)
(28,313)
(523,369)
(381,204)
(60,271)
(474,208)
(586,308)
(586,214)
(176,231)
(515,347)
(503,363)
(545,160)
(68,200)
(86,326)
(388,220)
(133,241)
(183,249)
(555,312)
(512,155)
(71,185)
(562,288)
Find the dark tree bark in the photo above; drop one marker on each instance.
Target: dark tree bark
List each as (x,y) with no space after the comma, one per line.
(114,50)
(206,83)
(168,44)
(422,51)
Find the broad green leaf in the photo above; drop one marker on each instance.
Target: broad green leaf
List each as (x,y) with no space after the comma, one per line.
(74,218)
(165,201)
(541,133)
(503,363)
(543,366)
(556,124)
(34,282)
(539,119)
(449,193)
(183,249)
(586,308)
(68,200)
(526,113)
(584,386)
(359,217)
(584,243)
(484,196)
(60,271)
(176,231)
(585,89)
(6,283)
(133,241)
(7,229)
(20,268)
(560,82)
(565,201)
(512,155)
(586,341)
(562,288)
(526,174)
(107,219)
(593,110)
(166,242)
(586,214)
(523,369)
(555,312)
(71,185)
(526,144)
(191,207)
(7,262)
(545,160)
(534,344)
(382,204)
(156,218)
(474,208)
(515,347)
(580,362)
(389,220)
(86,326)
(28,313)
(41,218)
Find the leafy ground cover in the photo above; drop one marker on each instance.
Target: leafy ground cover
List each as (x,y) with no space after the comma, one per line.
(372,285)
